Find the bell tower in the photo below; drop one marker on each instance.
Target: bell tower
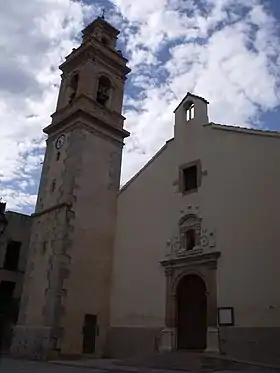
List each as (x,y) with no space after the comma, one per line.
(66,295)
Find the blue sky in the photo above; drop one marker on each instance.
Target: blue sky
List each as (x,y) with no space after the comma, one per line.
(224,50)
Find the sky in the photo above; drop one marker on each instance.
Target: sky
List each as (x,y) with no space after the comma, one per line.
(227,51)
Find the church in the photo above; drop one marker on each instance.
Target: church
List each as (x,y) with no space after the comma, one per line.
(182,257)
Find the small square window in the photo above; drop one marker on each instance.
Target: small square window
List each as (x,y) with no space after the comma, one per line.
(190,178)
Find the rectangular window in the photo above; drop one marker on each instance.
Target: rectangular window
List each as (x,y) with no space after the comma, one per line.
(44,247)
(53,186)
(12,255)
(190,113)
(190,238)
(190,178)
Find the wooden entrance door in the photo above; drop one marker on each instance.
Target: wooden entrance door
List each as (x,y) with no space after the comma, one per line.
(191,313)
(89,334)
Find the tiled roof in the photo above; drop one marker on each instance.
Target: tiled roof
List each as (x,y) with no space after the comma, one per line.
(252,131)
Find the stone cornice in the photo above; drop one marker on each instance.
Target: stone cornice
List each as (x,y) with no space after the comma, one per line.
(52,208)
(85,107)
(199,259)
(89,51)
(80,115)
(89,105)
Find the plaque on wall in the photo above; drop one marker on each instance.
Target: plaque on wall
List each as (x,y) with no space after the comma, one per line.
(225,316)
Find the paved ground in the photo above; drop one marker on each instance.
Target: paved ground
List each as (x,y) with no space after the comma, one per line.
(8,365)
(21,366)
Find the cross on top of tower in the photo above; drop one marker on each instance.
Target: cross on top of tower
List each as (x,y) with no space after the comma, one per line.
(103,13)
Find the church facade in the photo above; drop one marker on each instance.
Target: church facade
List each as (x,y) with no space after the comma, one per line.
(184,256)
(194,257)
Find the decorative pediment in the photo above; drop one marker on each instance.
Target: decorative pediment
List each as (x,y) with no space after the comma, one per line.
(191,237)
(189,219)
(208,259)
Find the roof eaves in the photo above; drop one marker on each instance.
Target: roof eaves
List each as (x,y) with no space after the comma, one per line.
(145,166)
(252,131)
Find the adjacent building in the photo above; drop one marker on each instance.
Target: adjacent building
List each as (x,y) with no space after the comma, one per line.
(184,256)
(13,255)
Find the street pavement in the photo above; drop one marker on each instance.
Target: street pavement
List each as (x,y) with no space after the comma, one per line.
(8,365)
(22,366)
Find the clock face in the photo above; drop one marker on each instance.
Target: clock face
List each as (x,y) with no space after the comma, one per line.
(60,142)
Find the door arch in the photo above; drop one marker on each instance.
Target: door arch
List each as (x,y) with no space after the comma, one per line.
(191,313)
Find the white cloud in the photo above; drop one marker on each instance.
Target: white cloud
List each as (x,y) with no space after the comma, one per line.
(34,40)
(224,50)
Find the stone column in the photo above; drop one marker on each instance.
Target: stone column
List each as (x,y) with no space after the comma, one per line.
(168,334)
(212,329)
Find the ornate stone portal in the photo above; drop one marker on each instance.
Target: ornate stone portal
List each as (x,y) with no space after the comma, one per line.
(182,259)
